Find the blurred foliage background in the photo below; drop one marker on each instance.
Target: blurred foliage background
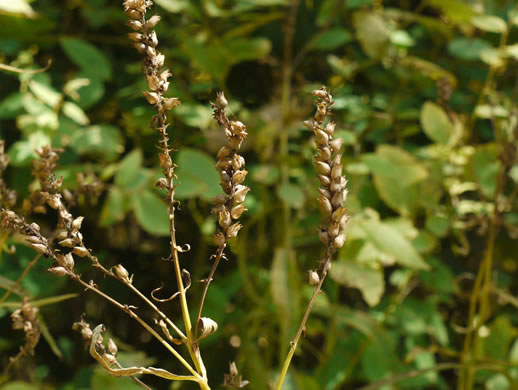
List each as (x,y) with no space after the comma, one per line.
(423,294)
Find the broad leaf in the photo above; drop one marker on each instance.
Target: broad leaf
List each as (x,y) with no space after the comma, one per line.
(151,212)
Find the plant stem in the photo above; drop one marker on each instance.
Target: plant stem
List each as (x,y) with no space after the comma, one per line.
(132,314)
(302,327)
(207,282)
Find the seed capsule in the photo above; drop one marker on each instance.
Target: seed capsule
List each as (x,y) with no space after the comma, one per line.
(314,279)
(237,211)
(325,205)
(322,168)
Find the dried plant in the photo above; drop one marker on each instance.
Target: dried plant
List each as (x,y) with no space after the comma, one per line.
(328,164)
(25,318)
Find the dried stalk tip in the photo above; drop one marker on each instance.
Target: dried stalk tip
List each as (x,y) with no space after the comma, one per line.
(329,171)
(233,380)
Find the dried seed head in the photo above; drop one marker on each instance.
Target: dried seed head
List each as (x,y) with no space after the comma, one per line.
(238,162)
(339,241)
(136,37)
(321,93)
(239,176)
(162,183)
(221,101)
(151,97)
(224,219)
(310,124)
(238,128)
(338,199)
(59,271)
(153,82)
(237,211)
(68,242)
(240,193)
(224,152)
(324,180)
(325,205)
(336,171)
(66,261)
(87,334)
(76,223)
(110,359)
(314,279)
(233,369)
(170,103)
(330,128)
(323,236)
(40,248)
(152,21)
(121,273)
(219,199)
(134,24)
(336,145)
(112,347)
(152,39)
(219,239)
(321,137)
(233,230)
(325,193)
(322,168)
(80,251)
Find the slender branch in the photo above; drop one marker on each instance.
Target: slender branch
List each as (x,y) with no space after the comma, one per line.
(207,282)
(302,327)
(132,314)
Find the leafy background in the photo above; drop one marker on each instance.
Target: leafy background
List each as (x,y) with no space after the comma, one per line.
(425,97)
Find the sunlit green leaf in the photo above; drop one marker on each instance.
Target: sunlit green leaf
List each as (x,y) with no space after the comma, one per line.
(291,194)
(197,175)
(151,212)
(436,123)
(489,23)
(368,280)
(330,39)
(389,240)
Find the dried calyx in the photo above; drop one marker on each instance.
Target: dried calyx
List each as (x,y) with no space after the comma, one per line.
(329,170)
(26,319)
(231,166)
(233,379)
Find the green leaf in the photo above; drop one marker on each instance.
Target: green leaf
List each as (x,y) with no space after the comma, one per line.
(292,195)
(456,10)
(90,59)
(197,175)
(104,140)
(174,6)
(74,112)
(402,38)
(151,212)
(489,23)
(436,124)
(513,173)
(396,175)
(45,93)
(372,32)
(368,280)
(18,385)
(128,169)
(114,208)
(388,240)
(22,152)
(468,49)
(245,49)
(396,164)
(330,39)
(485,166)
(16,7)
(11,106)
(89,94)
